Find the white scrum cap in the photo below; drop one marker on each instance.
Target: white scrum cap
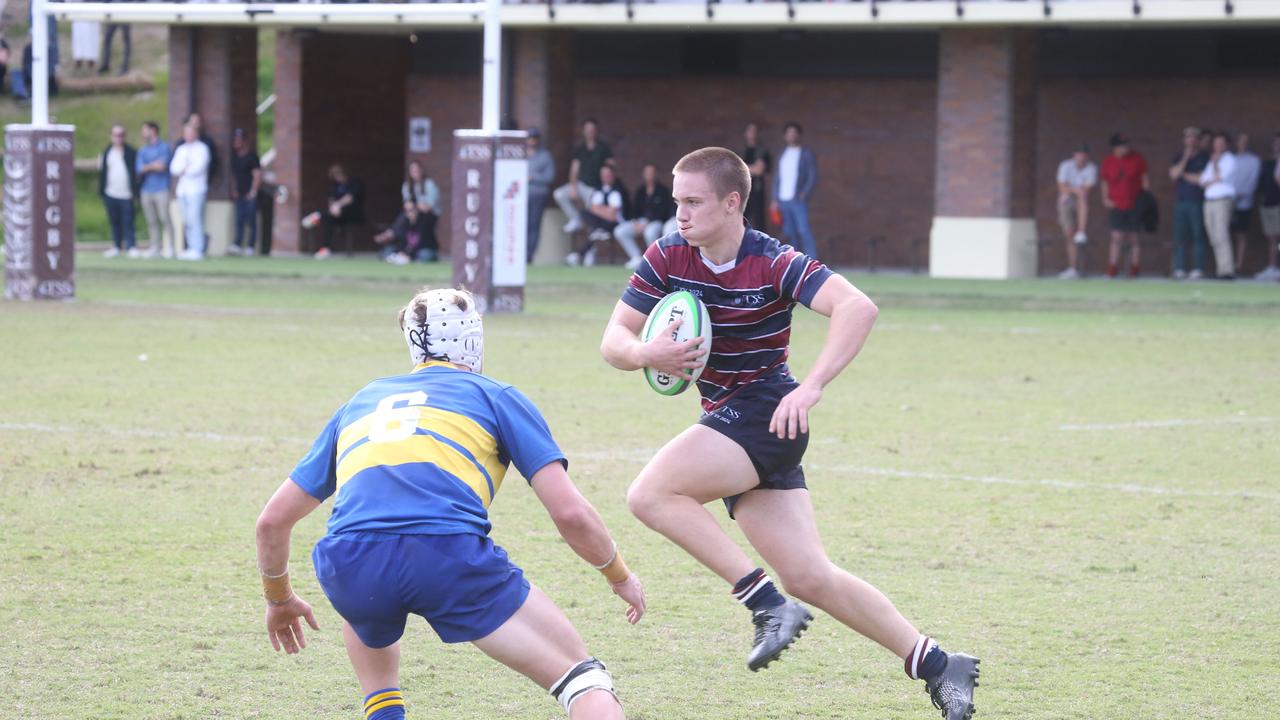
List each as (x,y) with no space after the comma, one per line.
(444,325)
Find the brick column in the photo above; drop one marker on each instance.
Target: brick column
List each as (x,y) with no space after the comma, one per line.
(985,168)
(225,89)
(288,142)
(542,87)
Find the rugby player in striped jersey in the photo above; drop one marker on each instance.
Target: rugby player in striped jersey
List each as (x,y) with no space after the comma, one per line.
(755,422)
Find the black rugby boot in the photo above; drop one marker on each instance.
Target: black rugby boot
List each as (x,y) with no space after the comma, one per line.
(776,628)
(952,690)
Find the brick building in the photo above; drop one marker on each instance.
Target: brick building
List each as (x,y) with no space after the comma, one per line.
(940,135)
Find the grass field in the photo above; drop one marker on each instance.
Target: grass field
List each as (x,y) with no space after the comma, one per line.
(1075,481)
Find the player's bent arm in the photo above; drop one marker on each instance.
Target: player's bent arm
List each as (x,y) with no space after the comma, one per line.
(581,526)
(621,345)
(287,506)
(574,516)
(852,315)
(623,348)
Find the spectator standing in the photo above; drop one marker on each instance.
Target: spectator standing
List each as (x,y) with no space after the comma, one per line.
(605,209)
(126,40)
(117,181)
(759,162)
(246,172)
(190,167)
(1269,199)
(1248,170)
(1189,240)
(28,69)
(344,209)
(28,61)
(584,174)
(4,62)
(1218,181)
(1124,177)
(198,121)
(420,190)
(411,237)
(542,172)
(651,209)
(797,176)
(152,167)
(85,35)
(1076,177)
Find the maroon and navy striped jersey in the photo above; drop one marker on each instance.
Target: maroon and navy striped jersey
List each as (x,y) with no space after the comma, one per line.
(749,300)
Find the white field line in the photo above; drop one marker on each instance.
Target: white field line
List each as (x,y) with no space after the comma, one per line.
(1171,423)
(1131,488)
(643,454)
(141,433)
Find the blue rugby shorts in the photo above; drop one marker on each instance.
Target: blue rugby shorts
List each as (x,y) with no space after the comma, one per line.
(463,585)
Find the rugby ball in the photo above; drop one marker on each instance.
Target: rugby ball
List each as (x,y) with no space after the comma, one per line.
(697,323)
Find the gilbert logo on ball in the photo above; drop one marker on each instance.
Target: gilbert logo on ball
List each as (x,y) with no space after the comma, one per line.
(695,323)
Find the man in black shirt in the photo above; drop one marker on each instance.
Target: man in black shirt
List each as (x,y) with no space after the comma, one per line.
(345,207)
(584,174)
(651,209)
(1189,237)
(247,174)
(1269,192)
(759,162)
(411,237)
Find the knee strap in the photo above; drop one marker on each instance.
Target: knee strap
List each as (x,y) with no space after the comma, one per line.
(588,675)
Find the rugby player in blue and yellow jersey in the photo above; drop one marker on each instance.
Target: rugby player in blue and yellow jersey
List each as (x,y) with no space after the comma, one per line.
(415,461)
(755,422)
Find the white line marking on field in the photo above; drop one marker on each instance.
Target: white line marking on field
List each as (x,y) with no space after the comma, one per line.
(141,433)
(644,454)
(1062,484)
(1174,422)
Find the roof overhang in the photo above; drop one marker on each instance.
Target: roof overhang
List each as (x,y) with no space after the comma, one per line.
(887,14)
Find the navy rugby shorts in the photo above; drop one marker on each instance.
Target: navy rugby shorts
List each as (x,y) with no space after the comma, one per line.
(463,585)
(744,419)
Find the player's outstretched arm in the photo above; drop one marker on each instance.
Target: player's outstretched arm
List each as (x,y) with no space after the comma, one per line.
(581,526)
(623,348)
(852,314)
(286,507)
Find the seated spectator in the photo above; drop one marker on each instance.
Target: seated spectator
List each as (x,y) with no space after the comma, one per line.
(411,237)
(605,209)
(345,208)
(651,209)
(584,174)
(420,190)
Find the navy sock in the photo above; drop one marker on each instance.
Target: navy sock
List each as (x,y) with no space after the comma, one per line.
(926,660)
(384,704)
(757,592)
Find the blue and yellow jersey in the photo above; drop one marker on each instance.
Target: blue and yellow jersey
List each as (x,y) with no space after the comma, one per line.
(424,453)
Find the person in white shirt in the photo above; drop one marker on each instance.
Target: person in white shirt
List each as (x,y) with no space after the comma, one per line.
(190,167)
(1248,170)
(1076,177)
(793,185)
(1218,181)
(85,35)
(605,209)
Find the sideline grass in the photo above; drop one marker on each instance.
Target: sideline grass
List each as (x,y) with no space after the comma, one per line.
(959,464)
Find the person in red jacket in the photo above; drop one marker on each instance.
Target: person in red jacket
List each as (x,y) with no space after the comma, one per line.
(1124,177)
